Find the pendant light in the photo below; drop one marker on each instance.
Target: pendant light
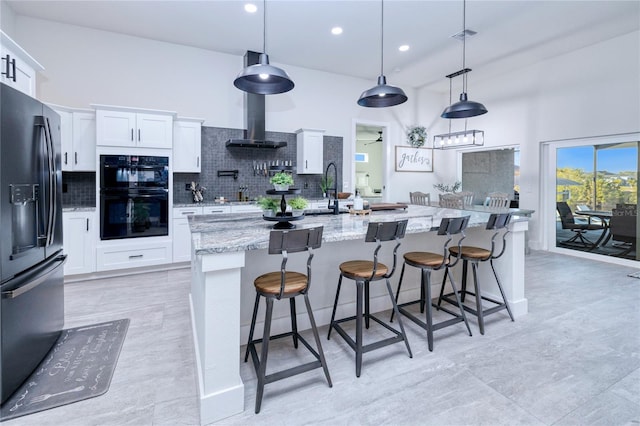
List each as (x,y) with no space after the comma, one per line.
(465,108)
(382,95)
(262,78)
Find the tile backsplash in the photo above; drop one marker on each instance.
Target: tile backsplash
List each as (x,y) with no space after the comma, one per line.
(79,187)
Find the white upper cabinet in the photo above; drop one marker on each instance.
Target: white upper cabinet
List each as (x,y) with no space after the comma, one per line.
(78,134)
(309,148)
(127,127)
(187,145)
(18,67)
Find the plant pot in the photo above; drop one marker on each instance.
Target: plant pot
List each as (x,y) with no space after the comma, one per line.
(297,212)
(268,213)
(279,187)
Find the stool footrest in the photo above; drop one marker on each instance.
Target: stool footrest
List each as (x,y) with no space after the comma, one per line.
(282,374)
(487,311)
(371,346)
(457,318)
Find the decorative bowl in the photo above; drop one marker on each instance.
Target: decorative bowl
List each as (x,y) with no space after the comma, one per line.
(343,195)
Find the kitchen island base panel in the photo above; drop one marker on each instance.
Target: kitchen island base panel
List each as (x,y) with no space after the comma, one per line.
(215,303)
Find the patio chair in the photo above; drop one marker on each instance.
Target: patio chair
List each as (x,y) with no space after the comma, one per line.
(623,228)
(580,229)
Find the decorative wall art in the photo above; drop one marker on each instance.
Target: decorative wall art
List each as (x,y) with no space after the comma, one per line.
(410,159)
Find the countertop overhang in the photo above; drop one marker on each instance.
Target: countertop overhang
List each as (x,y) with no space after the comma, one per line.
(230,233)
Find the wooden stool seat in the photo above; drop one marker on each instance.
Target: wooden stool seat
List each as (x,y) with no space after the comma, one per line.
(362,269)
(471,252)
(423,258)
(269,283)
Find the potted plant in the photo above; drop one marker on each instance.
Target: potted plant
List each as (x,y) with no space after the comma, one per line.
(281,181)
(325,184)
(269,206)
(298,205)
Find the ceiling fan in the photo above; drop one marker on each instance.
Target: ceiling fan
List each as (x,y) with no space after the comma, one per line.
(377,140)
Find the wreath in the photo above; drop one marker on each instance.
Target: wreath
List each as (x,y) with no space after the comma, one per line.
(416,136)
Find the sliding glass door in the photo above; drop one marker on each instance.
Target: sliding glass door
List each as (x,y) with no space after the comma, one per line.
(596,188)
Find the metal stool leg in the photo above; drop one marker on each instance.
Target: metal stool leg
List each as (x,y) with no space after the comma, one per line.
(444,283)
(366,305)
(359,291)
(455,292)
(426,287)
(265,350)
(335,305)
(317,337)
(294,321)
(465,265)
(504,298)
(398,290)
(253,326)
(476,285)
(395,309)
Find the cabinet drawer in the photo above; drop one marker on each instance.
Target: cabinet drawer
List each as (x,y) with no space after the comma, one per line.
(130,257)
(216,209)
(247,208)
(184,212)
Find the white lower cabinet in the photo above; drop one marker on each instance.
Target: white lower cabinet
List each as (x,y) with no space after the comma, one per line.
(181,231)
(79,242)
(246,208)
(132,254)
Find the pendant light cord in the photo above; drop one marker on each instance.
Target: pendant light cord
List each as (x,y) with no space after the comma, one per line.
(381,37)
(464,44)
(264,26)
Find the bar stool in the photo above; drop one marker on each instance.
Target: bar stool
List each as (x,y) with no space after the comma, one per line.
(475,255)
(428,262)
(363,272)
(285,284)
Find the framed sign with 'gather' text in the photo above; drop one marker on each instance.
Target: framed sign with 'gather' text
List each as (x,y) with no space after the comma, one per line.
(410,159)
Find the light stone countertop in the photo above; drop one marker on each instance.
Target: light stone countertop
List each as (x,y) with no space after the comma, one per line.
(229,233)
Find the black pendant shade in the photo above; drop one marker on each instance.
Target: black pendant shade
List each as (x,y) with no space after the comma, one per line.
(263,79)
(463,109)
(382,95)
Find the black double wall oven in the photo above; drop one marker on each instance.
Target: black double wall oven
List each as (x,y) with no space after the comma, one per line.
(134,196)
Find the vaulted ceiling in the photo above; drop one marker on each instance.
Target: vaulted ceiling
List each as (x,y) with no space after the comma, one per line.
(510,34)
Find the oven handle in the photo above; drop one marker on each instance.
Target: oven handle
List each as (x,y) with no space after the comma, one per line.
(134,190)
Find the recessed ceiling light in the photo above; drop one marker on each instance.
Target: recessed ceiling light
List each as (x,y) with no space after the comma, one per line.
(251,8)
(403,48)
(336,30)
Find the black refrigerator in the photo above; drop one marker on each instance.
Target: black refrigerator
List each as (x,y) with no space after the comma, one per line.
(31,259)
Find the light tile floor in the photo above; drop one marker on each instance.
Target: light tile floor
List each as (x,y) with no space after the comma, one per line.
(573,360)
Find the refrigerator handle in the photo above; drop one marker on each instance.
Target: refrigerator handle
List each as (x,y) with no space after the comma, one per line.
(53,194)
(12,294)
(50,191)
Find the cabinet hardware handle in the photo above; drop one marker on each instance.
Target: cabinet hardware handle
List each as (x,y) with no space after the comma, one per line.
(138,135)
(216,211)
(87,224)
(197,161)
(186,213)
(65,158)
(306,164)
(132,134)
(134,256)
(76,157)
(11,63)
(7,71)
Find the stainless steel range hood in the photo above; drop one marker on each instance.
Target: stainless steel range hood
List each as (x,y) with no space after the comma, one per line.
(254,135)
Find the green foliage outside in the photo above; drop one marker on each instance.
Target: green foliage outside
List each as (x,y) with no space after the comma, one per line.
(610,189)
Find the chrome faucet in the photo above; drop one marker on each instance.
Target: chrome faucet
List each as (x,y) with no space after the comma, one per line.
(335,206)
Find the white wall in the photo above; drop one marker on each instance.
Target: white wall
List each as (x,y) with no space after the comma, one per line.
(7,19)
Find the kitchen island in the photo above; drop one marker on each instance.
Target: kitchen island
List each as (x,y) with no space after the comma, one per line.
(228,252)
